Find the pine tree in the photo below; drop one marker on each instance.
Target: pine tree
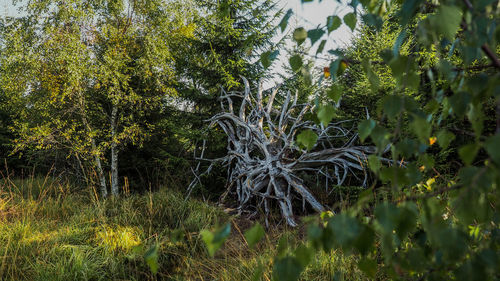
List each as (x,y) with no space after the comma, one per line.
(228,41)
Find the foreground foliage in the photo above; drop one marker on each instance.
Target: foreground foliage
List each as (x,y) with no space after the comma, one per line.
(416,224)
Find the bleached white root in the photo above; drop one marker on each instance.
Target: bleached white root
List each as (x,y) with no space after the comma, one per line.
(264,161)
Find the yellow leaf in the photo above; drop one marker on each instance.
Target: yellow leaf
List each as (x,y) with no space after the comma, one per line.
(429,183)
(343,66)
(326,72)
(432,140)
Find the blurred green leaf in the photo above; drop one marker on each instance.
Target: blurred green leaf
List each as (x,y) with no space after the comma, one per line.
(476,209)
(334,67)
(405,70)
(446,70)
(374,163)
(336,52)
(408,10)
(335,92)
(476,118)
(459,103)
(326,114)
(268,57)
(321,47)
(347,233)
(315,35)
(373,21)
(468,152)
(284,21)
(444,138)
(314,235)
(332,23)
(368,266)
(307,138)
(365,128)
(295,62)
(258,272)
(350,20)
(345,228)
(214,239)
(282,246)
(394,174)
(407,147)
(306,75)
(287,269)
(492,146)
(447,21)
(372,76)
(422,129)
(254,235)
(380,136)
(299,35)
(392,219)
(452,242)
(304,254)
(364,243)
(427,161)
(399,41)
(393,105)
(151,258)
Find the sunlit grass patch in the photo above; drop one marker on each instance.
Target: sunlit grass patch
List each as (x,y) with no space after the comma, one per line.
(118,238)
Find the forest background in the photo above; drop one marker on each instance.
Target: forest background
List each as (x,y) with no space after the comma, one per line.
(104,108)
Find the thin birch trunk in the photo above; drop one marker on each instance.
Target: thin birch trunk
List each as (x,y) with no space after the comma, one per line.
(114,153)
(100,172)
(97,160)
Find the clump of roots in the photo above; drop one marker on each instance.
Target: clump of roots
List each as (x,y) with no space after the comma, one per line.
(263,160)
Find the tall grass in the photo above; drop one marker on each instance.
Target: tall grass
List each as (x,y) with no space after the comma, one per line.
(50,231)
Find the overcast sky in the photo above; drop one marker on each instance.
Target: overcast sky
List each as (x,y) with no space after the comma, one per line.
(310,15)
(6,8)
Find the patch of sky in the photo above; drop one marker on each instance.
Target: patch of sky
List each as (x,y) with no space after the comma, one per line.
(310,15)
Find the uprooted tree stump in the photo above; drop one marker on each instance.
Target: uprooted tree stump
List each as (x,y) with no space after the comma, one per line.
(264,161)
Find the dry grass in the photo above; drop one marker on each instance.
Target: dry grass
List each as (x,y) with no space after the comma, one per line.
(49,231)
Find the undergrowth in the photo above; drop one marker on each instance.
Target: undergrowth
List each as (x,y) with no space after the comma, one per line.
(51,231)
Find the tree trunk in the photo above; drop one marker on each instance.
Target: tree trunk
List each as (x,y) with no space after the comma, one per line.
(100,172)
(97,160)
(114,153)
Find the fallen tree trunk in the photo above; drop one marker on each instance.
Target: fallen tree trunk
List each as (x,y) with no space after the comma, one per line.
(264,161)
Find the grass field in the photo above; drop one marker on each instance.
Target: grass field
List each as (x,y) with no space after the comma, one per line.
(50,231)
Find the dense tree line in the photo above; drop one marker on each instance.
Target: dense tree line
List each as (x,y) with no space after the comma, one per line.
(122,88)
